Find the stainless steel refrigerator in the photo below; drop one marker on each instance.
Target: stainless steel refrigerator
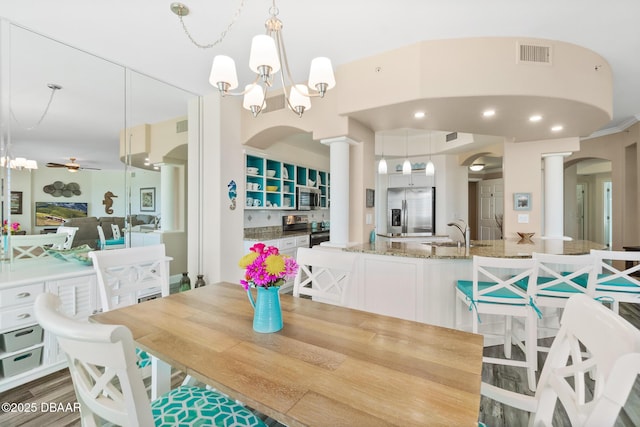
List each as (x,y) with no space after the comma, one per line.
(411,210)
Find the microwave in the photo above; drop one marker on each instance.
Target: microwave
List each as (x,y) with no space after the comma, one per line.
(307,198)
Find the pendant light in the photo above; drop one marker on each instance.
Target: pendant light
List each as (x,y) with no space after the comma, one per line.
(406,166)
(382,165)
(430,169)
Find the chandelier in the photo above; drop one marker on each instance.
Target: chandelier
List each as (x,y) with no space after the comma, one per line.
(18,163)
(266,58)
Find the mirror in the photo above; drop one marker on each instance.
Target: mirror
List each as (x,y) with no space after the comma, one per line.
(95,123)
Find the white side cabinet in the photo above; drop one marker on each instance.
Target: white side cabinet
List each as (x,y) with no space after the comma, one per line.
(26,352)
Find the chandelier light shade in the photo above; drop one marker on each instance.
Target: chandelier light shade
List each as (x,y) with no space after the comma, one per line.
(321,76)
(266,58)
(476,167)
(263,58)
(299,99)
(253,99)
(223,73)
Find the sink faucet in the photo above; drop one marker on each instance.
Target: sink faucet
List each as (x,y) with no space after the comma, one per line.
(464,230)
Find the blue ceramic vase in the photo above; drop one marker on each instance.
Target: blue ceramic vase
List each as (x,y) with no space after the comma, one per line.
(267,315)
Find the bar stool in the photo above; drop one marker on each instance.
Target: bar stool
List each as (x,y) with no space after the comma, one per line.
(493,291)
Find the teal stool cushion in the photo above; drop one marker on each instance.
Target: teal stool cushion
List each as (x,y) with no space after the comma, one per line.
(466,287)
(560,287)
(194,406)
(119,241)
(620,281)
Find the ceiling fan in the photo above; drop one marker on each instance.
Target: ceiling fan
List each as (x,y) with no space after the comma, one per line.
(72,166)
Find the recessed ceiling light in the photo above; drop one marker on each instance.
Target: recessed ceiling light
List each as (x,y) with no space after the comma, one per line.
(556,128)
(489,113)
(419,115)
(535,118)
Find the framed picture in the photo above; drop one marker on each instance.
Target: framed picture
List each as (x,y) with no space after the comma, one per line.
(371,195)
(16,202)
(522,201)
(148,199)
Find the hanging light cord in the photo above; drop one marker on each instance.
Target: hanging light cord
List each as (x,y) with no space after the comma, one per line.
(54,87)
(181,10)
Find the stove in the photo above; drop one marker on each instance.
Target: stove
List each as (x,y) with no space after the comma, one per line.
(317,234)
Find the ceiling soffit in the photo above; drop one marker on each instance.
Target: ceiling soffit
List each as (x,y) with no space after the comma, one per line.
(454,81)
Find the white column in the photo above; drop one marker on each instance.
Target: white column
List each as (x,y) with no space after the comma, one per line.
(554,195)
(339,190)
(172,196)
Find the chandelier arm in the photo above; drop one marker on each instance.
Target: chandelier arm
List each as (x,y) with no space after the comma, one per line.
(223,34)
(284,63)
(255,82)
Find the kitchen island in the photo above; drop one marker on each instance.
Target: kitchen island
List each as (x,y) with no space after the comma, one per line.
(417,281)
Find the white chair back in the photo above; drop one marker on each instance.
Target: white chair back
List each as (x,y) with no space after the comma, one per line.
(32,246)
(115,230)
(563,275)
(102,364)
(612,278)
(504,273)
(124,275)
(70,233)
(103,240)
(324,274)
(612,357)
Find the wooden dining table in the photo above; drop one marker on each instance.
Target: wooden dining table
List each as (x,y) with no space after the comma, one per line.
(327,366)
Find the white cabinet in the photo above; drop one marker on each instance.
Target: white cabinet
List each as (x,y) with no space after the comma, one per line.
(413,180)
(35,357)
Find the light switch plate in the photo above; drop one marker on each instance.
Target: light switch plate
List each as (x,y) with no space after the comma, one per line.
(523,218)
(369,219)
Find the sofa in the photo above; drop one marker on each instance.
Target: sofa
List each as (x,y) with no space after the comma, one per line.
(141,219)
(87,233)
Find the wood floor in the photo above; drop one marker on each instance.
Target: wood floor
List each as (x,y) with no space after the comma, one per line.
(58,389)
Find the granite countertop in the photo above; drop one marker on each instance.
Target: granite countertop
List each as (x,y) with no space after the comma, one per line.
(510,248)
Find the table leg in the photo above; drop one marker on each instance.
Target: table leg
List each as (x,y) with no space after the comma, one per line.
(160,378)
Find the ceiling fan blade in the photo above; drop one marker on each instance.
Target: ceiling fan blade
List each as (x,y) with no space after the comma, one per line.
(56,165)
(92,169)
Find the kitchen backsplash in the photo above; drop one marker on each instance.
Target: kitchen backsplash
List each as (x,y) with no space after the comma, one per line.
(258,218)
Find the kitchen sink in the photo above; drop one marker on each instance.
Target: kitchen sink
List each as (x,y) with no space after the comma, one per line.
(454,244)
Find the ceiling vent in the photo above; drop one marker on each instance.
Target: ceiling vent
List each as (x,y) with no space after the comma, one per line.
(275,103)
(534,54)
(182,126)
(451,136)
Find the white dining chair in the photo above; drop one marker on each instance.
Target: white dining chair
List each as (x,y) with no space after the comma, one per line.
(126,275)
(612,357)
(324,274)
(33,246)
(102,364)
(115,230)
(493,291)
(108,243)
(70,233)
(615,283)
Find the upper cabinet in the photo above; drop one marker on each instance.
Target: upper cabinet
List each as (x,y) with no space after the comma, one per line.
(271,184)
